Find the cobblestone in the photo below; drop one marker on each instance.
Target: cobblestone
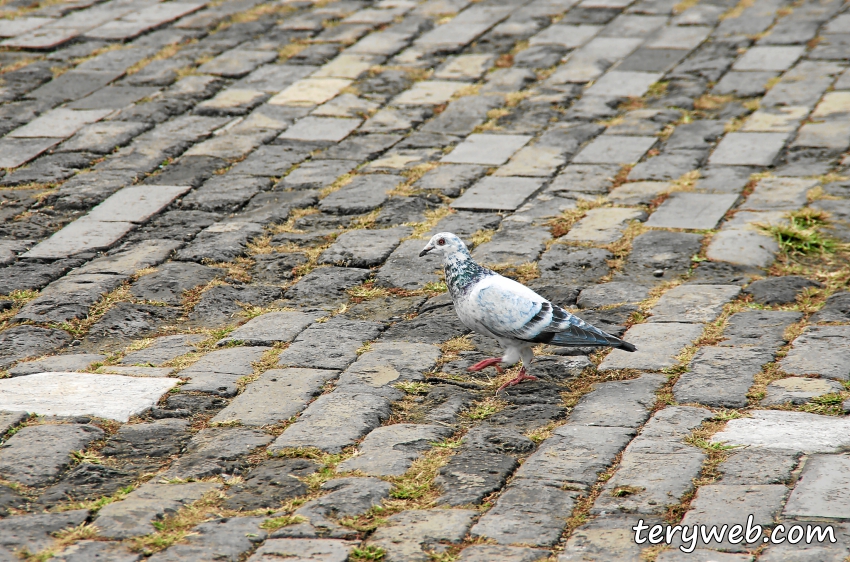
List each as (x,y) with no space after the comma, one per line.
(264,175)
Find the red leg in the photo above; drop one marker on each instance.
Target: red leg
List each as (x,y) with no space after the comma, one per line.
(522,376)
(486,363)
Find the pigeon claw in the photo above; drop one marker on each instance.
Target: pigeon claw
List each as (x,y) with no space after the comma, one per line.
(486,363)
(522,376)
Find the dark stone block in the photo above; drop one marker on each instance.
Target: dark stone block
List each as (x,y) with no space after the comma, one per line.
(127,320)
(23,276)
(86,482)
(472,475)
(189,170)
(175,225)
(836,309)
(779,290)
(221,304)
(277,267)
(270,484)
(171,280)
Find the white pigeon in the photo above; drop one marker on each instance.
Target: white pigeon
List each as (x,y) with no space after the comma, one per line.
(508,311)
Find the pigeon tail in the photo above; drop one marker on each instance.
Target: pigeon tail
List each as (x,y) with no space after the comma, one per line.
(626,346)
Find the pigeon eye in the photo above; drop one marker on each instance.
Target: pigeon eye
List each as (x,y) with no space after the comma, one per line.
(441,242)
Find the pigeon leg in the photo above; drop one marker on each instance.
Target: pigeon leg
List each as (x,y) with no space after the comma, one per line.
(486,363)
(522,376)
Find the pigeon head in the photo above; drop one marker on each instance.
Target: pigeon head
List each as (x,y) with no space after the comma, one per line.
(446,245)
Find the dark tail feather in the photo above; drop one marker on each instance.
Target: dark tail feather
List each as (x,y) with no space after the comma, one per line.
(626,346)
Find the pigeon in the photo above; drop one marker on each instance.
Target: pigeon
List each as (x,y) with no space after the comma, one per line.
(510,312)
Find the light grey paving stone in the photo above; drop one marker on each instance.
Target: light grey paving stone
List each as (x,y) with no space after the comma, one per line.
(488,553)
(603,225)
(103,137)
(36,454)
(674,422)
(271,327)
(464,67)
(317,174)
(273,78)
(721,376)
(217,372)
(428,92)
(606,294)
(162,349)
(625,83)
(658,345)
(362,195)
(634,398)
(815,552)
(136,203)
(741,241)
(70,362)
(592,59)
(515,245)
(236,62)
(723,179)
(278,395)
(486,149)
(692,211)
(757,465)
(638,192)
(820,350)
(83,551)
(312,550)
(579,178)
(779,194)
(214,451)
(528,512)
(60,122)
(675,465)
(223,539)
(405,269)
(364,248)
(75,394)
(748,149)
(329,129)
(390,450)
(141,255)
(310,91)
(329,345)
(392,119)
(744,84)
(16,152)
(693,303)
(679,37)
(718,504)
(776,58)
(614,149)
(775,120)
(575,455)
(8,420)
(534,161)
(758,328)
(822,490)
(791,431)
(497,194)
(68,298)
(35,533)
(409,533)
(136,371)
(609,537)
(82,235)
(132,517)
(389,363)
(335,421)
(451,180)
(798,390)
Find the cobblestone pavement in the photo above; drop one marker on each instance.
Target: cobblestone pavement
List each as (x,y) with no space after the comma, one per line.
(218,341)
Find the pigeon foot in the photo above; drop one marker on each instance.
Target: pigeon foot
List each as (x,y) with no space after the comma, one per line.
(495,361)
(522,376)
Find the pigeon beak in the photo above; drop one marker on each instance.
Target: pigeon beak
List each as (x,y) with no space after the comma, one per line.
(425,250)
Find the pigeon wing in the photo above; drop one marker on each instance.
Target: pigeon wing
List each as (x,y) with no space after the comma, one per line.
(508,309)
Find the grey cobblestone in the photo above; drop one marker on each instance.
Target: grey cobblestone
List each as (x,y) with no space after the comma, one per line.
(264,175)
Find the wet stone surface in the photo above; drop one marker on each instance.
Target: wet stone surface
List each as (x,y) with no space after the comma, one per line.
(213,304)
